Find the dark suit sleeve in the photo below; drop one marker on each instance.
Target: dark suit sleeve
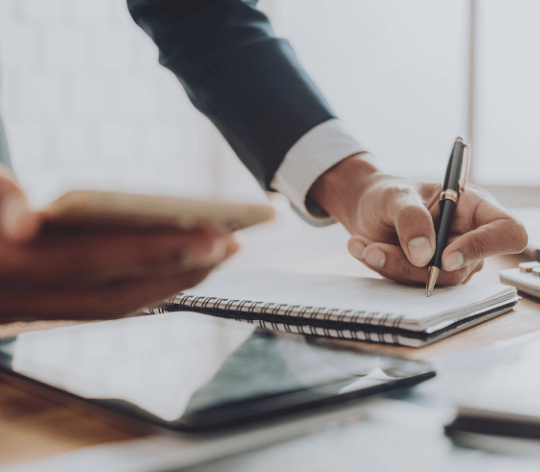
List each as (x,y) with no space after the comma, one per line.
(245,80)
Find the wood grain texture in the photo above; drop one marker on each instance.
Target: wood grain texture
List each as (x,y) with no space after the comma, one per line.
(32,427)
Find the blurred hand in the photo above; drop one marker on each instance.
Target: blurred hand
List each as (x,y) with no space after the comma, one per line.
(392,223)
(84,273)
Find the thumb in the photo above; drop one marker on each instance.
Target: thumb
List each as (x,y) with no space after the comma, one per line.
(414,225)
(17,221)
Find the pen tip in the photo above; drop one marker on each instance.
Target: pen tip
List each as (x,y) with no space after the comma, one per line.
(433,272)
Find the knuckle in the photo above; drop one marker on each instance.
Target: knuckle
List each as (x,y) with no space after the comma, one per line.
(476,249)
(409,211)
(404,271)
(412,215)
(396,192)
(392,189)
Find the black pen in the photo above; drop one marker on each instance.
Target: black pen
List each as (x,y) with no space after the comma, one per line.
(451,189)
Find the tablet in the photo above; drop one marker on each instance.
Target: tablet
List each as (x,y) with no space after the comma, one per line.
(92,207)
(194,372)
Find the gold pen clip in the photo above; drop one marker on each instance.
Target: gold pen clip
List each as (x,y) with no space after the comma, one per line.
(450,194)
(465,172)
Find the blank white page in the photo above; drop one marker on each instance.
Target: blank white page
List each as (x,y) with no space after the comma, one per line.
(348,293)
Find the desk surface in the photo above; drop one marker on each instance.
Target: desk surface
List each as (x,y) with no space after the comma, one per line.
(32,427)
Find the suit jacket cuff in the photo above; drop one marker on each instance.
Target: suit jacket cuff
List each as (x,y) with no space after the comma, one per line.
(313,154)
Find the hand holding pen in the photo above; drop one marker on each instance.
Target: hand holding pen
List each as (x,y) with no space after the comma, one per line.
(392,223)
(452,187)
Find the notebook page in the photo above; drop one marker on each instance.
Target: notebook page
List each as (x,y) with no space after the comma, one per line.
(345,292)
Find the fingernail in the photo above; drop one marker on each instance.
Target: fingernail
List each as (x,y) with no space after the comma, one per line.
(356,248)
(12,214)
(199,257)
(453,261)
(420,250)
(376,258)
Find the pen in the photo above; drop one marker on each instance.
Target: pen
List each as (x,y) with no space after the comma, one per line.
(450,191)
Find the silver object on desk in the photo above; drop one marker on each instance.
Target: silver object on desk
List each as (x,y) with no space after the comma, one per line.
(530,217)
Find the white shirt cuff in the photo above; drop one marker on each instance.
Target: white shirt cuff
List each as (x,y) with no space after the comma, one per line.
(313,154)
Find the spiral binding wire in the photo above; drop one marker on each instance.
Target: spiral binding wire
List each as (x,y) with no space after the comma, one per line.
(279,316)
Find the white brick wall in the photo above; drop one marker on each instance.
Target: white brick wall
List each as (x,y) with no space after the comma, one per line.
(86,103)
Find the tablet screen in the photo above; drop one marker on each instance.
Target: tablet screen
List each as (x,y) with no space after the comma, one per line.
(192,372)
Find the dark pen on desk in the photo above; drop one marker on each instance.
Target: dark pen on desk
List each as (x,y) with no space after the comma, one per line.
(452,186)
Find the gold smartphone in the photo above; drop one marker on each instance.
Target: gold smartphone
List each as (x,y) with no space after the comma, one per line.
(90,207)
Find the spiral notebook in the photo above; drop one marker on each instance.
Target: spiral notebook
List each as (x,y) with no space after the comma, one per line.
(341,306)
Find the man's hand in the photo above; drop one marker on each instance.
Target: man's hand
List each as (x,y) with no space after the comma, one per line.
(79,273)
(392,223)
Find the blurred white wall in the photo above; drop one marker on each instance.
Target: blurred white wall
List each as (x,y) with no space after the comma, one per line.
(86,103)
(508,128)
(394,71)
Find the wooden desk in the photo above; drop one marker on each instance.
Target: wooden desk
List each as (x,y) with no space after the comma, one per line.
(32,427)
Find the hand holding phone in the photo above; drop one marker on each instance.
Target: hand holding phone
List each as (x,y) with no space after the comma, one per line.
(93,267)
(97,208)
